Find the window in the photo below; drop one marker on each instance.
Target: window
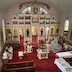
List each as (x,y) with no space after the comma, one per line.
(3,28)
(66,25)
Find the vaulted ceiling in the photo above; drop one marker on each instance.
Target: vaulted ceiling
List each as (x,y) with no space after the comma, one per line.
(63,5)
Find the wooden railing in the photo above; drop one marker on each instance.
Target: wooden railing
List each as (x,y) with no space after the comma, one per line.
(69,60)
(26,66)
(62,40)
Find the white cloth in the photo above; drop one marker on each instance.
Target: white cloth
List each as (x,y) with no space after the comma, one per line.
(5,55)
(20,53)
(29,48)
(65,54)
(10,49)
(63,65)
(40,51)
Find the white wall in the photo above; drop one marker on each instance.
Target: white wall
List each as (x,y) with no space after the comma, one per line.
(1,29)
(64,16)
(15,9)
(1,13)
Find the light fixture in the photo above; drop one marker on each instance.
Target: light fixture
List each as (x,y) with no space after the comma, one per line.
(34,2)
(47,28)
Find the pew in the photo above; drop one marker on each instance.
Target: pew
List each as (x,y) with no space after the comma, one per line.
(22,69)
(26,66)
(69,60)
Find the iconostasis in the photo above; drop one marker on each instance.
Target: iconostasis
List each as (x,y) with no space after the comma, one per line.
(21,31)
(15,30)
(41,35)
(27,36)
(47,32)
(31,26)
(29,32)
(8,33)
(41,32)
(35,30)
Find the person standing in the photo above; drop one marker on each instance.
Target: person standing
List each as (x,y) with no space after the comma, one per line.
(41,31)
(9,49)
(27,32)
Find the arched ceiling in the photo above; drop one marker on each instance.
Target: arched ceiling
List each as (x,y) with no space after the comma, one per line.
(63,5)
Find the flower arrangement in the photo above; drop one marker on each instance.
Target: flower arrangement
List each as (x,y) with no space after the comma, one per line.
(43,47)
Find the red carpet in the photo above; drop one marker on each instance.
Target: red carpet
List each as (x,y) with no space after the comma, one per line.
(44,65)
(35,40)
(21,40)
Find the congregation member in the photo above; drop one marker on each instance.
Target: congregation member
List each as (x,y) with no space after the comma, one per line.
(29,48)
(9,51)
(5,55)
(25,46)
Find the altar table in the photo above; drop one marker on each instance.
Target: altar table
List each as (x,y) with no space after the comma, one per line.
(41,54)
(65,54)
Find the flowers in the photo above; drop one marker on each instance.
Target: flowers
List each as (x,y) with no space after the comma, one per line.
(43,47)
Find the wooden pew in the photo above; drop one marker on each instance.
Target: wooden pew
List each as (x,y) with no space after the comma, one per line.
(26,66)
(69,60)
(22,69)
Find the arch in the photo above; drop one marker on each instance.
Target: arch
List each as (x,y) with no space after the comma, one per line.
(29,10)
(42,10)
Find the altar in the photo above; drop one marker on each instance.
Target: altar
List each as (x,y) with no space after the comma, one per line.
(42,54)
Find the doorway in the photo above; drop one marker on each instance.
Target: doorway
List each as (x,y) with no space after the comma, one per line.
(21,33)
(35,34)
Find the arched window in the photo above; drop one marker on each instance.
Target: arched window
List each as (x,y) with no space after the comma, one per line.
(66,25)
(3,28)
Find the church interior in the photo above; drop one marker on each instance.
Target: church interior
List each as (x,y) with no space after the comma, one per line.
(36,36)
